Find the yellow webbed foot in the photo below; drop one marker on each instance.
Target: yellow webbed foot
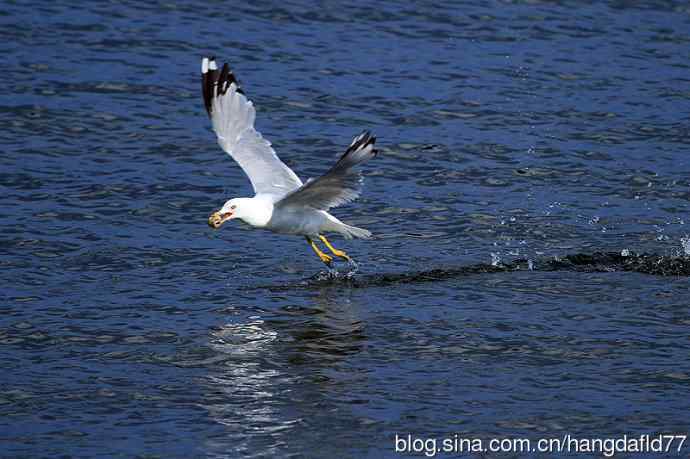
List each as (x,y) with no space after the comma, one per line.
(326,259)
(334,251)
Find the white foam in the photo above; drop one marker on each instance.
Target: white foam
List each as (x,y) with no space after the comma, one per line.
(686,244)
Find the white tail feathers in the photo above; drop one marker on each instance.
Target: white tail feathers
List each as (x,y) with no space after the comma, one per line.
(350,232)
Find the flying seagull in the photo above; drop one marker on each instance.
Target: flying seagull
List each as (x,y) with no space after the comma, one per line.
(282,203)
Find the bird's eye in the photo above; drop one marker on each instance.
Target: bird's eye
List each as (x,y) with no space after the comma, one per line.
(232,207)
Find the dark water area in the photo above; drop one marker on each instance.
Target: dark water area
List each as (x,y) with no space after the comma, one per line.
(542,132)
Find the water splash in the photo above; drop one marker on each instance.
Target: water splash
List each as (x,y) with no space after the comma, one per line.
(495,259)
(354,267)
(333,273)
(685,241)
(625,253)
(324,276)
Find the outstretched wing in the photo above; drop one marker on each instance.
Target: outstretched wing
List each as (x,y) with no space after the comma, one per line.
(232,115)
(341,184)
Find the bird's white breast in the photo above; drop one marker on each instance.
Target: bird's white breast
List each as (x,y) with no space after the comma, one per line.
(259,212)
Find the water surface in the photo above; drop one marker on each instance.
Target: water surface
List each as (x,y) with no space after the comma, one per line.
(508,130)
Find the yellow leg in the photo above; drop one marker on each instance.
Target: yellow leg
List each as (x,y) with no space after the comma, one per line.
(327,259)
(336,252)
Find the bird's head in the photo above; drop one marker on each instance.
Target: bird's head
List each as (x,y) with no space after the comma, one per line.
(231,209)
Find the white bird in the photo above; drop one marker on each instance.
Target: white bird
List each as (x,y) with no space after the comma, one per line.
(282,203)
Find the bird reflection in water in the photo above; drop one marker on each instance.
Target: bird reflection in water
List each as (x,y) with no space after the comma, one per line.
(280,371)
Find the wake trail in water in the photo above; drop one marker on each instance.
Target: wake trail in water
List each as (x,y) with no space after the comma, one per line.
(652,264)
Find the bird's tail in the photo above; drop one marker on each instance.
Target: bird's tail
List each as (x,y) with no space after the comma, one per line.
(350,232)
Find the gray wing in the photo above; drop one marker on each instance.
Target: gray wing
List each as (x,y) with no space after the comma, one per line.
(341,184)
(232,115)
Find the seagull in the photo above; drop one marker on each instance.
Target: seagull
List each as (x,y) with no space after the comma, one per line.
(282,202)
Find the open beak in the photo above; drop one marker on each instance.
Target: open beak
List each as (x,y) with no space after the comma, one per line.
(216,219)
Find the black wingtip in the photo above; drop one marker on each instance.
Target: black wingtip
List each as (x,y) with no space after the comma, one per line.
(364,139)
(354,154)
(216,82)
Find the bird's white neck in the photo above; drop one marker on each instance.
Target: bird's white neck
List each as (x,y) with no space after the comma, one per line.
(255,211)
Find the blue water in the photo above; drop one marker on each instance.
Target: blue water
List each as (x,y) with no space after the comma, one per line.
(507,130)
